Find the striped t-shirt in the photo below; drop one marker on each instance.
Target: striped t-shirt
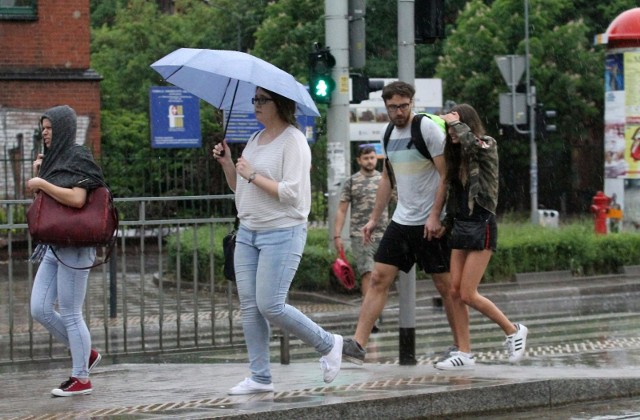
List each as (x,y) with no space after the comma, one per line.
(417,178)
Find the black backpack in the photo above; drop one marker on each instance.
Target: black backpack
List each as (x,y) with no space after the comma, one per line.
(416,139)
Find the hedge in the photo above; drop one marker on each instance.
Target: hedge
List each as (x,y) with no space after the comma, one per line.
(522,248)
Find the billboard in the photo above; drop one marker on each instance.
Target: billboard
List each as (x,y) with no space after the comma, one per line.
(243,124)
(369,118)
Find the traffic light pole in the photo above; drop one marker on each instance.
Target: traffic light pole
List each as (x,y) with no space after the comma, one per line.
(407,281)
(531,101)
(406,41)
(338,142)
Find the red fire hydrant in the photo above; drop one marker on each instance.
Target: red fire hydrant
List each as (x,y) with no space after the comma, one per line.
(600,209)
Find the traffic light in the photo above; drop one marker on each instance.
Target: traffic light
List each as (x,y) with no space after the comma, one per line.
(429,21)
(544,120)
(362,86)
(321,84)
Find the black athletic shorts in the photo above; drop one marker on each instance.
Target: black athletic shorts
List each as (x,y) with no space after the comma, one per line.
(403,246)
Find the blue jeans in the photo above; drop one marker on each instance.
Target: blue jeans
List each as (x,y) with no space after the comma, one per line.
(54,282)
(265,264)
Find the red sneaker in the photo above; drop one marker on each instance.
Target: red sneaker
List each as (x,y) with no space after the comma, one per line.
(94,359)
(72,387)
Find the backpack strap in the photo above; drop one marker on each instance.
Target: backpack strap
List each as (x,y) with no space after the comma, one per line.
(416,137)
(387,164)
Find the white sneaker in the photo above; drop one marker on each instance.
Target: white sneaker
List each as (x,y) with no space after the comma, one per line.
(516,343)
(330,363)
(457,361)
(249,386)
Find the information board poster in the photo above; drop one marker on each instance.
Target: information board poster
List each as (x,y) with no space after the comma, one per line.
(243,124)
(175,118)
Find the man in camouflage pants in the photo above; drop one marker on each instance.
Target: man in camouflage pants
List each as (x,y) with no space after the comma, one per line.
(359,191)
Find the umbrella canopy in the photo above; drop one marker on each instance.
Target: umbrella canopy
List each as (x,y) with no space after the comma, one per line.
(228,79)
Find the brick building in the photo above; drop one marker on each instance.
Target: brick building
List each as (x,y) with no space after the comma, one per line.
(44,61)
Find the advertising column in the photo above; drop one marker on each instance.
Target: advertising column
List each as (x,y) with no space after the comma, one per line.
(622,120)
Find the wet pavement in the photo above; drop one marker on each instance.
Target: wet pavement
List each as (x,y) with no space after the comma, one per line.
(583,362)
(189,391)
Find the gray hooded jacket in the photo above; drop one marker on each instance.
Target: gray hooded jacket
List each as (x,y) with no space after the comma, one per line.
(65,163)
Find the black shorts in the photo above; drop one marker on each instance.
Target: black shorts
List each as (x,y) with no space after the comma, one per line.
(403,246)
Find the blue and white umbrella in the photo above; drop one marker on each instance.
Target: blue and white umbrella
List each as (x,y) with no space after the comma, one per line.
(228,79)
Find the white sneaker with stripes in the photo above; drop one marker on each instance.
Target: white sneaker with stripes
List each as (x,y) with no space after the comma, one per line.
(457,360)
(516,343)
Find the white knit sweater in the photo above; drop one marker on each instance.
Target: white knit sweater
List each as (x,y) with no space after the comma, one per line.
(286,159)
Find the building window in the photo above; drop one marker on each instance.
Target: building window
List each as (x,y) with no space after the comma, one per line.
(18,9)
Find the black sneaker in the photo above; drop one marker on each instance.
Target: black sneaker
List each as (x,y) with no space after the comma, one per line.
(352,351)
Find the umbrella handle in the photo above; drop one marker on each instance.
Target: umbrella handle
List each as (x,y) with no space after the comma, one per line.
(224,133)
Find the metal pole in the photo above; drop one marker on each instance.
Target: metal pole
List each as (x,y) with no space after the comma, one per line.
(531,102)
(338,144)
(407,282)
(113,282)
(407,321)
(406,41)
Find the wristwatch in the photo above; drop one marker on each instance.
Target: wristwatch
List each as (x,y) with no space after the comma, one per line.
(251,177)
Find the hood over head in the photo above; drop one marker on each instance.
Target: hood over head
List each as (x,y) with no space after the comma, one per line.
(65,163)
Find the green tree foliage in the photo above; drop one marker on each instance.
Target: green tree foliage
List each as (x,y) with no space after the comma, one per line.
(565,69)
(129,35)
(285,36)
(122,53)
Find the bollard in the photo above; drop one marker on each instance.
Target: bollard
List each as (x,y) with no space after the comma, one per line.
(407,333)
(285,355)
(285,350)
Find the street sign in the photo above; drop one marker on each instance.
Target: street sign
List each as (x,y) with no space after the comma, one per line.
(511,67)
(507,116)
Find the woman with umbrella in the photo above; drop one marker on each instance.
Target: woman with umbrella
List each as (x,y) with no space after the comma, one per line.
(272,186)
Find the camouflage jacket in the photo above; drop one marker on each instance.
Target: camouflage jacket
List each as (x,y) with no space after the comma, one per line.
(360,192)
(482,184)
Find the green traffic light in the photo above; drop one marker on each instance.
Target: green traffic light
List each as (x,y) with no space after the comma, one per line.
(321,88)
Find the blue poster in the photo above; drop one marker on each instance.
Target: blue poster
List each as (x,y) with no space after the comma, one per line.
(243,124)
(175,118)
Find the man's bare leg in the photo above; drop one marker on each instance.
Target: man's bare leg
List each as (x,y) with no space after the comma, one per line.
(365,281)
(373,303)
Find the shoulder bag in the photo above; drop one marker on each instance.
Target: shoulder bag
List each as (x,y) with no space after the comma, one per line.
(94,224)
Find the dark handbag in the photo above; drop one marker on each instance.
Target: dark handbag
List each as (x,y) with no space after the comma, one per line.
(53,223)
(473,235)
(229,248)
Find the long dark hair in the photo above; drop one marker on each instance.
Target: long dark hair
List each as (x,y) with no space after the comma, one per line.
(286,107)
(456,167)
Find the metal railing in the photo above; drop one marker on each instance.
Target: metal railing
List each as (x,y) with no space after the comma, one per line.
(160,174)
(160,292)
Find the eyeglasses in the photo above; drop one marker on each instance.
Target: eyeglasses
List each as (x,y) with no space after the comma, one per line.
(401,107)
(260,100)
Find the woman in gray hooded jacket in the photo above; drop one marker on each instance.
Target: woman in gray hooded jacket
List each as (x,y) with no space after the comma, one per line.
(66,172)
